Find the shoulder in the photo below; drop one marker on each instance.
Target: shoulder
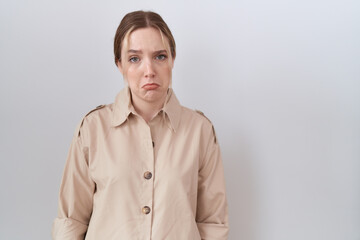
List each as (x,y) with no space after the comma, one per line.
(98,111)
(195,115)
(198,117)
(95,114)
(203,115)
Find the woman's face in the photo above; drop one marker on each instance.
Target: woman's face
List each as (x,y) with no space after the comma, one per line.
(147,65)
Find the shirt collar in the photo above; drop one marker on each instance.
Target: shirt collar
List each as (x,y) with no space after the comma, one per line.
(123,108)
(172,108)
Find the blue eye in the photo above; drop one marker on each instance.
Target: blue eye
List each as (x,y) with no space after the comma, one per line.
(161,57)
(134,59)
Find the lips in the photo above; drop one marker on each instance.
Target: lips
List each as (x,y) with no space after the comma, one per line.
(150,86)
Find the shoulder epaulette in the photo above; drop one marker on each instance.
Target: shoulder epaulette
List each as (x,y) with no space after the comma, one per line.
(97,108)
(202,114)
(77,131)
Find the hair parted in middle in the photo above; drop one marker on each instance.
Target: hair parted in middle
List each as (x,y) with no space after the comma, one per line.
(141,19)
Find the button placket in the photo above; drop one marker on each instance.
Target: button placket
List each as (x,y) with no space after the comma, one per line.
(147,188)
(147,182)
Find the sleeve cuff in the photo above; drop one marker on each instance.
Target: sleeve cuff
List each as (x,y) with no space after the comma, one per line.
(68,229)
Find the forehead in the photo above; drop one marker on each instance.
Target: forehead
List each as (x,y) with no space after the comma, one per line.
(147,39)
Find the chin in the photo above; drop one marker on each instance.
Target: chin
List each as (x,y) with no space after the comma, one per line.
(153,95)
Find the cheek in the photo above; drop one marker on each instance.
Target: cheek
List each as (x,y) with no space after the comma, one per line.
(133,77)
(164,68)
(129,72)
(168,72)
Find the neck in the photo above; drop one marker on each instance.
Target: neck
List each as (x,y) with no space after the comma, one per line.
(147,110)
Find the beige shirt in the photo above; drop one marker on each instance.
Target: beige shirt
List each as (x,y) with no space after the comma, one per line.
(127,179)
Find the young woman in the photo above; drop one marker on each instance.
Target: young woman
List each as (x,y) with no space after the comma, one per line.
(144,167)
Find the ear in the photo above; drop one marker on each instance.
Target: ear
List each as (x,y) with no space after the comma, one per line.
(119,66)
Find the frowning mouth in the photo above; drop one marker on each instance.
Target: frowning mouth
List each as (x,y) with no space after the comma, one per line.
(150,86)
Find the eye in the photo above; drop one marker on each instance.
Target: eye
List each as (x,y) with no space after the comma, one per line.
(134,59)
(161,57)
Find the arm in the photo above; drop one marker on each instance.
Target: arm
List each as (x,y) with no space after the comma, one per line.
(76,194)
(212,211)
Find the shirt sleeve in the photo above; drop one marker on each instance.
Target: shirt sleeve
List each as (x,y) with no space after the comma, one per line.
(76,195)
(212,209)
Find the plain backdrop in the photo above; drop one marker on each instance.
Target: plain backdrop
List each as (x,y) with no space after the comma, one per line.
(280,80)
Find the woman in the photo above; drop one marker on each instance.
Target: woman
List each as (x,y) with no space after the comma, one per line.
(144,167)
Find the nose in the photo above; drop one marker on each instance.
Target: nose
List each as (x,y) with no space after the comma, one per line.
(149,70)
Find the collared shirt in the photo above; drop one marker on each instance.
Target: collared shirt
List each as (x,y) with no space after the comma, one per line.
(128,179)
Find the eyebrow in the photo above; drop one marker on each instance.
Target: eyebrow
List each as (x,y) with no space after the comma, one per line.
(139,51)
(160,51)
(134,51)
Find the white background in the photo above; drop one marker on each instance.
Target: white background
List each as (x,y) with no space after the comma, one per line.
(280,81)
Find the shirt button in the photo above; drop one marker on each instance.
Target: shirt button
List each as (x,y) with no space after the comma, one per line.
(147,175)
(146,210)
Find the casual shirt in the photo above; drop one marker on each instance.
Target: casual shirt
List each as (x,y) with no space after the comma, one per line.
(126,178)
